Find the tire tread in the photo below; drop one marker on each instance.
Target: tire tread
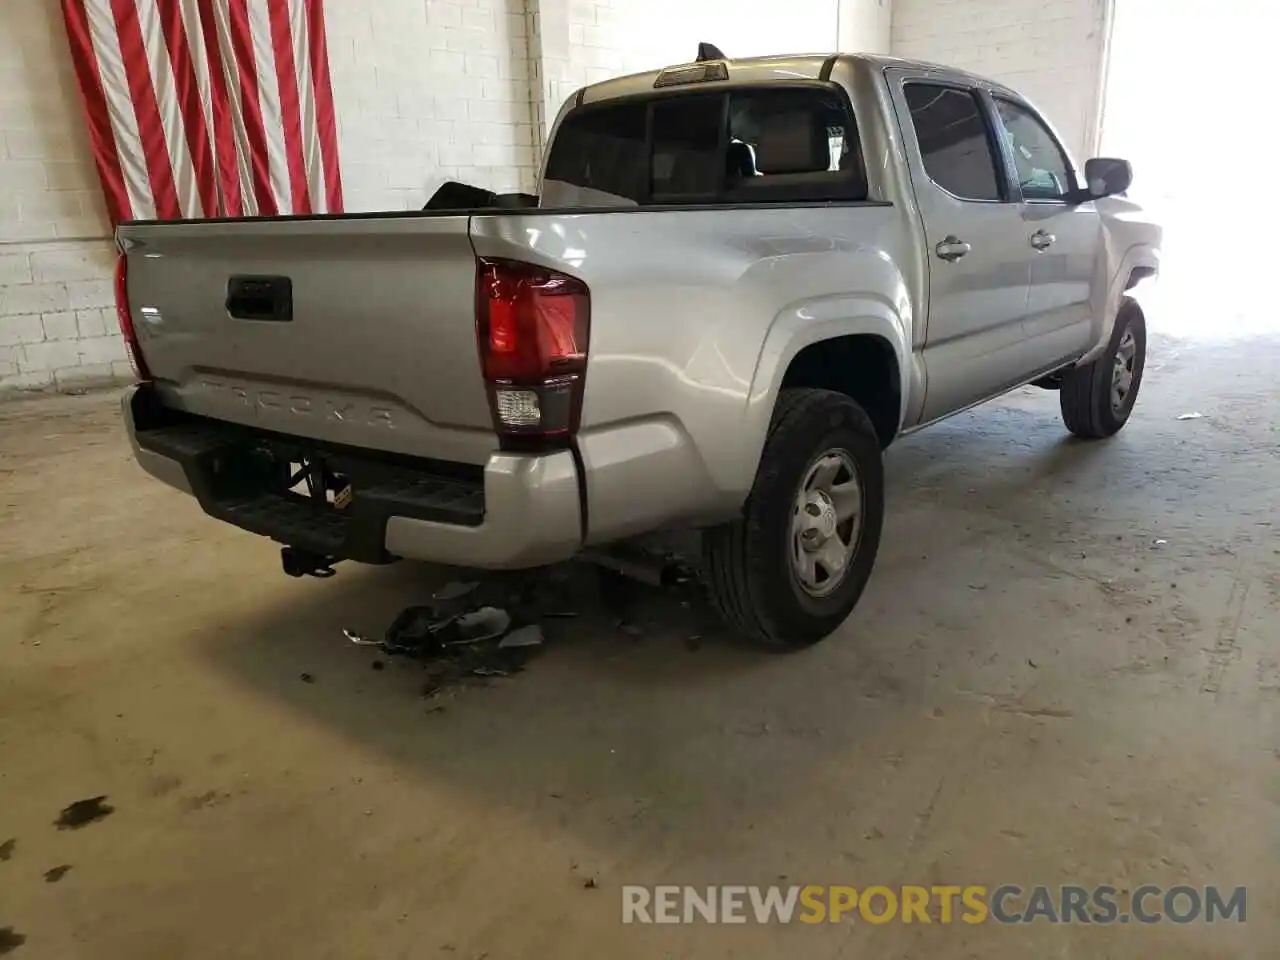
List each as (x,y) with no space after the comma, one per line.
(1076,397)
(727,559)
(1084,396)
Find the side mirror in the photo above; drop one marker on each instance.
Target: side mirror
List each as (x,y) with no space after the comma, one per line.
(1106,177)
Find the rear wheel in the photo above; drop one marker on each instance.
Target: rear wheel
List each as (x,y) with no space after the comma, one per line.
(791,569)
(1097,398)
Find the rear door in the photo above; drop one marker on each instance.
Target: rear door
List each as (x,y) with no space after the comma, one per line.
(1065,239)
(979,268)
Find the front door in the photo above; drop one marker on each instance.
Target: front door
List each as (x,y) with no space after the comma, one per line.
(979,267)
(1065,238)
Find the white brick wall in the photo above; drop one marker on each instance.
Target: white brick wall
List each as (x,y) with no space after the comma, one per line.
(578,42)
(865,26)
(57,323)
(1052,51)
(430,90)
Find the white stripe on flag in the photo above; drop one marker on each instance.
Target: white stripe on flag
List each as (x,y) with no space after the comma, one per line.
(269,97)
(200,62)
(175,129)
(249,198)
(312,157)
(124,121)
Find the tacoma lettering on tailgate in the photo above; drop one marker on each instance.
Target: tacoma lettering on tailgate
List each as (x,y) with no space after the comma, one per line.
(275,402)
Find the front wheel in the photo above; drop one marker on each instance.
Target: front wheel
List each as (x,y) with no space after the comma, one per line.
(789,571)
(1097,398)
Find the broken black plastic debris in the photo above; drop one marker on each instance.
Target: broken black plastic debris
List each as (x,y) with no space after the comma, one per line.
(476,626)
(83,812)
(471,632)
(529,636)
(415,631)
(6,848)
(423,631)
(54,874)
(306,678)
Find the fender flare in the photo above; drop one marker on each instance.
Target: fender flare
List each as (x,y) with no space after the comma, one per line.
(802,325)
(1139,256)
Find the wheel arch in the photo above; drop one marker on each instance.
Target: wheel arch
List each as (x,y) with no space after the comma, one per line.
(804,347)
(1140,262)
(863,367)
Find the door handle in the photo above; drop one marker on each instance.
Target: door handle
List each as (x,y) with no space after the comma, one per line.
(260,298)
(1042,240)
(952,248)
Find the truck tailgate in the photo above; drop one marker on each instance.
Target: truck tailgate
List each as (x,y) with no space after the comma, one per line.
(354,330)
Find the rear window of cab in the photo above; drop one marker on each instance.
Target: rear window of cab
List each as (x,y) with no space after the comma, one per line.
(777,144)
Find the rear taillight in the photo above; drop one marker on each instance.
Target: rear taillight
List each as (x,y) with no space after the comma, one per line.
(125,318)
(532,325)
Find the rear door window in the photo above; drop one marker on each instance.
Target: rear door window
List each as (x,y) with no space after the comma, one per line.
(954,143)
(785,145)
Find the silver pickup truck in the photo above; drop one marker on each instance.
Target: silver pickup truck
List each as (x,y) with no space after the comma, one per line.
(742,280)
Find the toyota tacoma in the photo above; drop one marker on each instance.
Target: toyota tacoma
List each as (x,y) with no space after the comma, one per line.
(738,283)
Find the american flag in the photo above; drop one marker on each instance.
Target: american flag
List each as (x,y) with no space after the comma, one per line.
(206,108)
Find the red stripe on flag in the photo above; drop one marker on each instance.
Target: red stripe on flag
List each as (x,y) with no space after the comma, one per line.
(147,109)
(290,108)
(189,102)
(325,120)
(93,96)
(251,105)
(224,137)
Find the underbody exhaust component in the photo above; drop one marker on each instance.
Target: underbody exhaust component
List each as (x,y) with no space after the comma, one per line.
(655,570)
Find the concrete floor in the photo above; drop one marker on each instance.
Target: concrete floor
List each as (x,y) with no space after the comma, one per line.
(1065,670)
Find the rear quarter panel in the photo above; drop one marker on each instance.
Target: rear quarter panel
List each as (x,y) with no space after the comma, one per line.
(695,316)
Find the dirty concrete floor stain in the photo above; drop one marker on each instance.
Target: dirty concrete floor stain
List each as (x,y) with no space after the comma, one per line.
(146,647)
(84,812)
(10,940)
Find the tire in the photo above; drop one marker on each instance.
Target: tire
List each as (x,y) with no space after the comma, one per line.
(1086,396)
(749,567)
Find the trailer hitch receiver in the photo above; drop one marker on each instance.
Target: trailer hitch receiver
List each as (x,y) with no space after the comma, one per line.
(306,563)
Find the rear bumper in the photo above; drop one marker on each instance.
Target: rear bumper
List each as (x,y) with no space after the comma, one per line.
(517,511)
